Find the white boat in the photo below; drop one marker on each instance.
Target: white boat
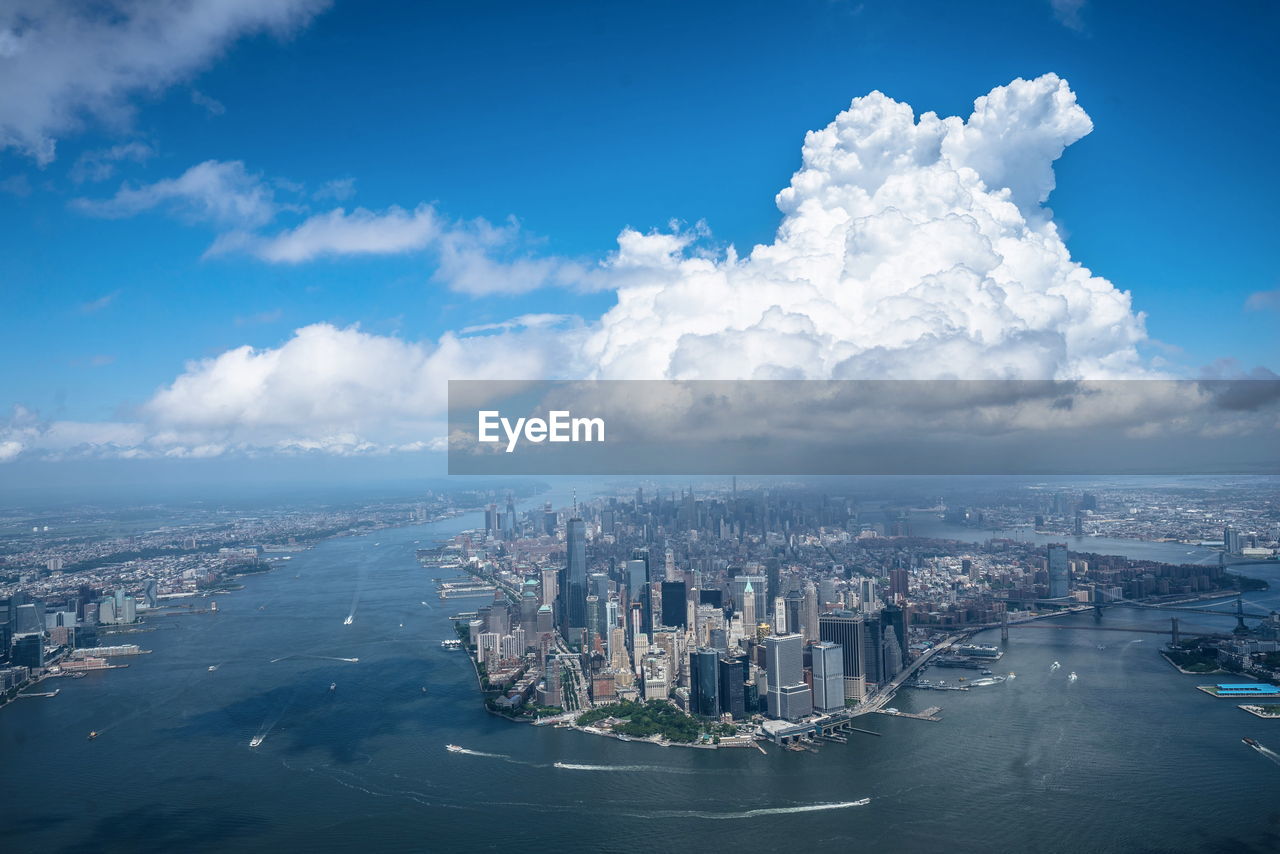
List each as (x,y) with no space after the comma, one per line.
(333,686)
(349,620)
(257,739)
(1054,666)
(1072,677)
(212,667)
(453,748)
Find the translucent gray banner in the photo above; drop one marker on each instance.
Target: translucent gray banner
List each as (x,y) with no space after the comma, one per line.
(784,427)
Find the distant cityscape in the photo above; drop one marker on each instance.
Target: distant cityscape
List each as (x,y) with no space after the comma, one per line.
(718,617)
(71,583)
(723,617)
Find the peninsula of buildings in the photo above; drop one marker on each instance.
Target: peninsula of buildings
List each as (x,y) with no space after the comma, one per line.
(782,614)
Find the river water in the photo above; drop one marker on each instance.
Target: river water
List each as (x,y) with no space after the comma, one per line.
(1129,757)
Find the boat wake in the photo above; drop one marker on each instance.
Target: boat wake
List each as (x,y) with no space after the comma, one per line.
(464,751)
(662,769)
(1269,753)
(756,813)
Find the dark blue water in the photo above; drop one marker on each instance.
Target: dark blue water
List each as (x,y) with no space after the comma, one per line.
(1128,758)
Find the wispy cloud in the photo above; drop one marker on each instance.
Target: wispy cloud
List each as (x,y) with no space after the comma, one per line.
(222,193)
(100,164)
(212,106)
(97,305)
(1263,301)
(261,317)
(1068,13)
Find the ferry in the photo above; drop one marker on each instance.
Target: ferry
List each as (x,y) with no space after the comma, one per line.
(453,748)
(256,740)
(349,620)
(94,734)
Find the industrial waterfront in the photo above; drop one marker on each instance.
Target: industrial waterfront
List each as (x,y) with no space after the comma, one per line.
(1129,756)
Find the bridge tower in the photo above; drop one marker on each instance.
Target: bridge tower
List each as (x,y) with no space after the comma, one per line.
(1174,633)
(1004,625)
(1241,628)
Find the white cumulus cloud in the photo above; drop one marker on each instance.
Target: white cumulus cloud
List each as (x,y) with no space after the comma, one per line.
(909,247)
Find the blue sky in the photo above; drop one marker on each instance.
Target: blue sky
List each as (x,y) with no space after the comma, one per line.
(581,119)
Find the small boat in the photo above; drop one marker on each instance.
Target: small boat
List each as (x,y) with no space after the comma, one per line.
(402,625)
(1072,677)
(212,667)
(93,734)
(333,686)
(1012,675)
(453,748)
(1054,666)
(256,740)
(1252,742)
(349,620)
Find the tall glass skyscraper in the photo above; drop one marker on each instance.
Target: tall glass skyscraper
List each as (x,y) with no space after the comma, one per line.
(1059,572)
(575,587)
(704,682)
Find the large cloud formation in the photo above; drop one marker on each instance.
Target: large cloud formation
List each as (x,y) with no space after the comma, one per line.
(908,248)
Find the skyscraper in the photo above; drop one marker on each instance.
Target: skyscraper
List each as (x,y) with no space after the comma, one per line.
(575,592)
(733,676)
(811,611)
(704,683)
(675,608)
(1059,572)
(894,628)
(828,676)
(748,605)
(795,612)
(845,628)
(788,696)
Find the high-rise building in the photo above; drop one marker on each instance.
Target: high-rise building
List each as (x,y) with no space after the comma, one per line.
(675,608)
(795,612)
(704,683)
(784,665)
(894,629)
(1231,540)
(811,611)
(828,676)
(1059,572)
(898,584)
(845,628)
(748,604)
(574,595)
(873,650)
(549,520)
(28,650)
(733,676)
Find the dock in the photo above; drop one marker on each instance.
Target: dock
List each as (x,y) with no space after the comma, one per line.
(929,714)
(52,693)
